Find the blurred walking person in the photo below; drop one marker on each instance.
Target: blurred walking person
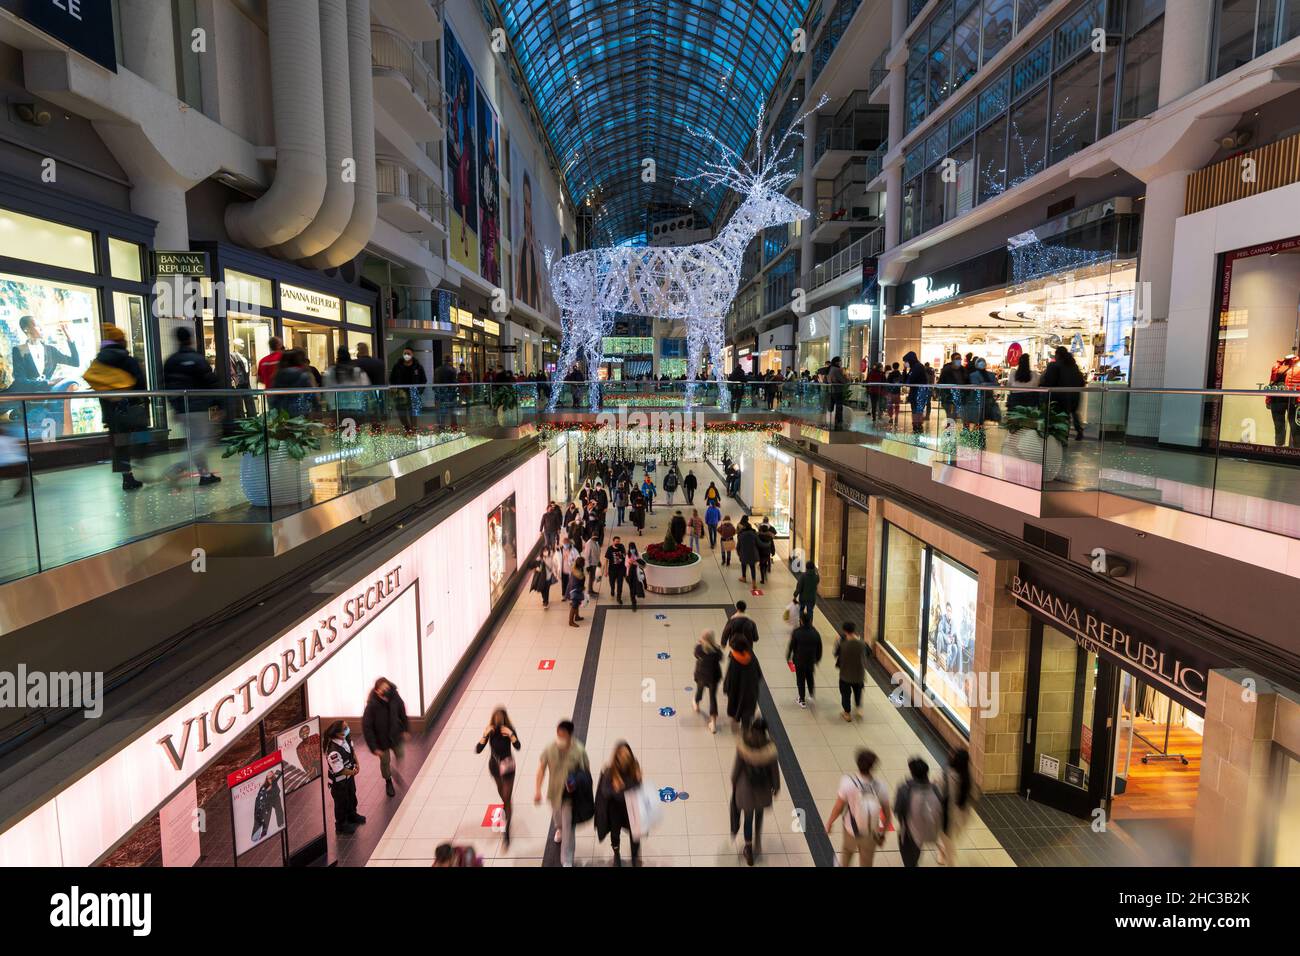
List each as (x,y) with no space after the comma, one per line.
(958,800)
(617,802)
(851,659)
(864,803)
(805,653)
(562,761)
(542,581)
(708,673)
(742,682)
(918,807)
(755,782)
(499,738)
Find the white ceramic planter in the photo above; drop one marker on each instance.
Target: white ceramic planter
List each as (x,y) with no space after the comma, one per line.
(1029,445)
(673,579)
(289,483)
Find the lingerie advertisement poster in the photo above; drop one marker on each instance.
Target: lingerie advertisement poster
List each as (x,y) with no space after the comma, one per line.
(299,748)
(257,802)
(502,559)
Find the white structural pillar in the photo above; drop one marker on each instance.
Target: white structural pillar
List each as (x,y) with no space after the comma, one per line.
(149,42)
(1184,49)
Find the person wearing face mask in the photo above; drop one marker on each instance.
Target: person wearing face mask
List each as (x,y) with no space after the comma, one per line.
(564,762)
(341,765)
(408,401)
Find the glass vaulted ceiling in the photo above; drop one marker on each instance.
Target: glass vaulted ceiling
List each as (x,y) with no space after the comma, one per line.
(620,81)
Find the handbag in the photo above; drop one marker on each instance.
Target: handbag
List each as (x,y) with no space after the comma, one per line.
(505,766)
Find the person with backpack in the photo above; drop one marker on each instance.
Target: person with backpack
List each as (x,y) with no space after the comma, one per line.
(187,370)
(864,802)
(805,592)
(805,652)
(114,369)
(918,807)
(766,550)
(671,481)
(563,764)
(708,672)
(755,782)
(851,659)
(958,799)
(711,495)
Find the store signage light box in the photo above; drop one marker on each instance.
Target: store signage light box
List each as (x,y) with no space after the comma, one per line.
(182,263)
(82,25)
(306,302)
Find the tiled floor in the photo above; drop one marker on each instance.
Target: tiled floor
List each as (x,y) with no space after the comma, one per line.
(631,684)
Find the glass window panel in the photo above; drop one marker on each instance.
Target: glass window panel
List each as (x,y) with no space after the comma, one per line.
(935,194)
(1028,9)
(995,98)
(359,314)
(1031,69)
(124,259)
(962,123)
(966,49)
(1106,100)
(1266,28)
(318,341)
(950,636)
(915,162)
(129,315)
(991,159)
(936,147)
(1234,35)
(1074,108)
(911,225)
(940,84)
(50,243)
(248,289)
(904,593)
(1027,139)
(999,24)
(960,193)
(1075,33)
(1140,81)
(915,98)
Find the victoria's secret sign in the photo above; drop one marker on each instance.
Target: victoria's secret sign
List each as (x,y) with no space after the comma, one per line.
(1179,671)
(270,675)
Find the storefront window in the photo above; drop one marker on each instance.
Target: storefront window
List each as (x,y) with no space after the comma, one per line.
(1025,146)
(129,316)
(248,289)
(250,342)
(1286,841)
(49,243)
(928,620)
(50,333)
(1259,331)
(773,482)
(359,314)
(124,259)
(904,594)
(318,341)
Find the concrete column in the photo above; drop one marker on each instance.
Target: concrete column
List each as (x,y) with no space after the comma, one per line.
(149,42)
(1001,653)
(1185,49)
(164,202)
(893,205)
(1165,201)
(1234,802)
(898,20)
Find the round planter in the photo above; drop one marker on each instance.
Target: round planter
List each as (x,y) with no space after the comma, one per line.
(1029,445)
(673,578)
(288,485)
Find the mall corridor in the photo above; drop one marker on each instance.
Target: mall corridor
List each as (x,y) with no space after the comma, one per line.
(542,671)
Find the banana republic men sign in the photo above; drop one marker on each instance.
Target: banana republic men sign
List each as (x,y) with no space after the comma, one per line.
(1176,669)
(82,25)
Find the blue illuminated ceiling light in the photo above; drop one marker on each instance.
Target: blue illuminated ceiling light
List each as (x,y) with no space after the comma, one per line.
(620,81)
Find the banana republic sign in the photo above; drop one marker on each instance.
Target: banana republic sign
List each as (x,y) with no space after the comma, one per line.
(1178,670)
(249,694)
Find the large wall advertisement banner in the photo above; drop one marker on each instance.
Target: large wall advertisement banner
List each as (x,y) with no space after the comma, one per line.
(489,189)
(462,153)
(534,230)
(413,614)
(503,556)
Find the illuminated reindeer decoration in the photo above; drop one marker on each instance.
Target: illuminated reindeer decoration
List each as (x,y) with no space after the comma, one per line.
(694,283)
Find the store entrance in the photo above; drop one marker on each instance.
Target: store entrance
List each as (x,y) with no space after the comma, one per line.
(1158,744)
(1069,698)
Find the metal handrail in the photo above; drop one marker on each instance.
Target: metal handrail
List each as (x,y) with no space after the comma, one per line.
(404,181)
(391,51)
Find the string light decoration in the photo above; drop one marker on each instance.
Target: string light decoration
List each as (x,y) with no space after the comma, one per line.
(721,440)
(694,284)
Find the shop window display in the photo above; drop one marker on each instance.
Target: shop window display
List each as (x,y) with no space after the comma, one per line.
(928,621)
(1258,345)
(50,335)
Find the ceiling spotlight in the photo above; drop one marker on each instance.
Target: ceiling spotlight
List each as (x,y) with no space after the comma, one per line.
(32,114)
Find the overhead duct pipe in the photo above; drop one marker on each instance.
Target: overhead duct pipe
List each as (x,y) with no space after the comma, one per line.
(297,105)
(336,210)
(365,207)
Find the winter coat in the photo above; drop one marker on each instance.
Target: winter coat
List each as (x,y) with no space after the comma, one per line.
(740,624)
(384,721)
(755,776)
(670,481)
(611,806)
(805,592)
(636,581)
(741,686)
(1063,375)
(708,665)
(851,659)
(805,646)
(747,546)
(677,528)
(690,481)
(187,369)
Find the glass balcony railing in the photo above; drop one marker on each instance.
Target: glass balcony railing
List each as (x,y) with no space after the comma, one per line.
(850,257)
(397,181)
(172,459)
(878,73)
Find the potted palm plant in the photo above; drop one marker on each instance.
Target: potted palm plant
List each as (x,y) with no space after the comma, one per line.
(1039,434)
(272,450)
(504,400)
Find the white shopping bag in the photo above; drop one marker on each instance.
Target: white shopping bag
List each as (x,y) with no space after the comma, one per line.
(643,809)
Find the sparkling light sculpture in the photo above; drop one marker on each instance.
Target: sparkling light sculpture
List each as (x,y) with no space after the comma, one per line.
(694,283)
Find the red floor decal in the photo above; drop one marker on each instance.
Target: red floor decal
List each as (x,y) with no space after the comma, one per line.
(492,818)
(546,665)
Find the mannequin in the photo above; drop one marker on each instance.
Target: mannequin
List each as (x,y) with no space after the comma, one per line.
(1279,407)
(1291,382)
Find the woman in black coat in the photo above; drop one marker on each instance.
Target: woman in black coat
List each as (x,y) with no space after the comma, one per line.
(621,776)
(741,682)
(1063,372)
(747,551)
(708,672)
